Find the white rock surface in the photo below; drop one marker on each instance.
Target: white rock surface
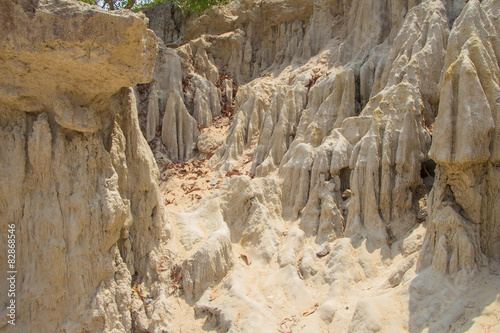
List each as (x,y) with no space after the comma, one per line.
(77,178)
(179,130)
(358,181)
(358,103)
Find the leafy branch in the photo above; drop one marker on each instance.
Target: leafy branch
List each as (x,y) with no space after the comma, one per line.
(186,6)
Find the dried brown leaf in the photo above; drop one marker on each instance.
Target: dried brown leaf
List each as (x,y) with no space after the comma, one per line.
(310,312)
(246,259)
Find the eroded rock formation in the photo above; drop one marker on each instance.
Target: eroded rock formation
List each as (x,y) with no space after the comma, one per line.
(77,177)
(464,203)
(358,179)
(377,121)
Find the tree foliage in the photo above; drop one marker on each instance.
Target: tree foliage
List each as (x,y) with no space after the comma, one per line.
(186,6)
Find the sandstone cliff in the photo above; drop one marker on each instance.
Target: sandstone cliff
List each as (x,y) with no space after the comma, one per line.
(77,178)
(328,165)
(374,126)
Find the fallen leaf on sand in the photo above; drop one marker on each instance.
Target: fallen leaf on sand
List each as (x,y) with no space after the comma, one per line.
(193,189)
(246,259)
(248,161)
(233,172)
(212,294)
(310,312)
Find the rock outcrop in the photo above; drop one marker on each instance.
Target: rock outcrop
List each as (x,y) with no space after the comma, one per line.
(169,23)
(351,148)
(463,204)
(77,177)
(377,124)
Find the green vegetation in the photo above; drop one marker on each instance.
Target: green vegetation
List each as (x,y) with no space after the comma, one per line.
(186,6)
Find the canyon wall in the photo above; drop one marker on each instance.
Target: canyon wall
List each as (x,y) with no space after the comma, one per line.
(78,180)
(346,94)
(376,123)
(357,180)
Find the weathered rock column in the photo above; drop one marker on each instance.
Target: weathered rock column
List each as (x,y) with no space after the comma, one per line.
(76,175)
